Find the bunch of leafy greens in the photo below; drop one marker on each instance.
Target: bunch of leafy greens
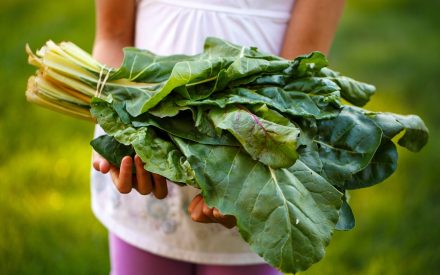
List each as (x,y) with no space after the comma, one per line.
(268,140)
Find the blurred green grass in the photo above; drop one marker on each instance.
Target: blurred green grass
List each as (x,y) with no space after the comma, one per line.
(46,223)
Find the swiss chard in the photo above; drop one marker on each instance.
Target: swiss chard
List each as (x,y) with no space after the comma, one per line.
(265,139)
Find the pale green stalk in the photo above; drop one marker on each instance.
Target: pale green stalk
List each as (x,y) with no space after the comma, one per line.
(68,78)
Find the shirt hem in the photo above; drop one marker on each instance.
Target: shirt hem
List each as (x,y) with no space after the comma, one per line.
(229,258)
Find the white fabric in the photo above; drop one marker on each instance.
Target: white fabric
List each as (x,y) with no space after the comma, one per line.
(163,226)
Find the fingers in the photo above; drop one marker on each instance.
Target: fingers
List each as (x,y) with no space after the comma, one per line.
(200,212)
(149,182)
(144,182)
(217,215)
(208,212)
(96,164)
(194,202)
(227,221)
(100,164)
(197,213)
(160,188)
(104,166)
(122,178)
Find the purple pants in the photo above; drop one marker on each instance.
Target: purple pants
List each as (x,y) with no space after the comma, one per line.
(129,260)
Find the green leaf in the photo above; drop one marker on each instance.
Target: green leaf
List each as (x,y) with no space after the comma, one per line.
(308,64)
(355,92)
(162,157)
(346,144)
(111,150)
(312,85)
(346,218)
(216,47)
(268,142)
(183,126)
(416,134)
(167,108)
(288,102)
(286,215)
(144,66)
(183,73)
(383,164)
(256,80)
(111,123)
(244,67)
(159,155)
(264,112)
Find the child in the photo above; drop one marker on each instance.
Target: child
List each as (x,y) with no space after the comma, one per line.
(153,236)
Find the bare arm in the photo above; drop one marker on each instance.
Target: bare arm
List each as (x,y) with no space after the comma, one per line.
(312,27)
(115,21)
(114,30)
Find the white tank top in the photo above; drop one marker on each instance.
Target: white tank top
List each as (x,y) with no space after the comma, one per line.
(164,227)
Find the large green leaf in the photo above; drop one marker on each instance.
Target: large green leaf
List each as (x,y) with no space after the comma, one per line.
(144,66)
(384,162)
(183,73)
(286,215)
(345,144)
(289,102)
(381,166)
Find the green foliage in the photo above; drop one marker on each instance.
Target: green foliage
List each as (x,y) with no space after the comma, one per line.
(265,140)
(288,158)
(286,215)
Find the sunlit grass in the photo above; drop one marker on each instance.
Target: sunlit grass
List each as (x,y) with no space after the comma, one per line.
(46,223)
(45,210)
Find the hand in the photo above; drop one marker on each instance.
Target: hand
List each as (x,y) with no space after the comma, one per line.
(144,182)
(200,212)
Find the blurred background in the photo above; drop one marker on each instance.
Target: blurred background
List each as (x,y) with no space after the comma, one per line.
(46,225)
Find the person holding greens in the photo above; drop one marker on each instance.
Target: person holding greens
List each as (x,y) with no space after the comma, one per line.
(173,231)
